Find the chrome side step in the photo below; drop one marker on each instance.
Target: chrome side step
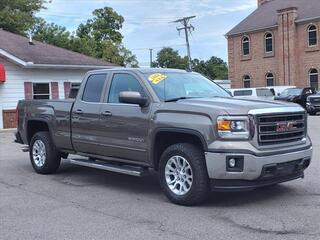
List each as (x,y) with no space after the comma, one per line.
(124,169)
(25,149)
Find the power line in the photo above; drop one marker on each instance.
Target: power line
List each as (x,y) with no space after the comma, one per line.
(188,28)
(158,47)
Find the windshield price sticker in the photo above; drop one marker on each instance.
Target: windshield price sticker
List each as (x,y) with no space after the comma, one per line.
(156,78)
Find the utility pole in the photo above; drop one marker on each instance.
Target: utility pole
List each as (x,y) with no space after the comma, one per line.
(188,28)
(151,51)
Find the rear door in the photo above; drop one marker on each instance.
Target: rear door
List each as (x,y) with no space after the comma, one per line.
(125,126)
(85,115)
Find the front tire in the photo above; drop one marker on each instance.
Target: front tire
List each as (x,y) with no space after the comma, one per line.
(313,113)
(44,156)
(183,174)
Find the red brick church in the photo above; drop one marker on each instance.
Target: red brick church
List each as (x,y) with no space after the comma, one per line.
(278,44)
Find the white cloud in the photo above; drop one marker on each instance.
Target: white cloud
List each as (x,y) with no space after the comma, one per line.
(147,21)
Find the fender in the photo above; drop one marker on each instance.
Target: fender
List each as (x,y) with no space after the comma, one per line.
(174,130)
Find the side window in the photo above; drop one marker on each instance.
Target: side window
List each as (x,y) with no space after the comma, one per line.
(122,82)
(94,87)
(246,81)
(245,46)
(240,93)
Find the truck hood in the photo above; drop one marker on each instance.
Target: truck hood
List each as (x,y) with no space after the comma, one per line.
(235,106)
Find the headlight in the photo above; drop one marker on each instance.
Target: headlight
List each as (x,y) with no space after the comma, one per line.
(230,127)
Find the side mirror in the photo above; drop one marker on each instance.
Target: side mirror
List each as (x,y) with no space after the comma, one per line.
(133,98)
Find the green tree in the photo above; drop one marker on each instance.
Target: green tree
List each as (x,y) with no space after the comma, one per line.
(99,37)
(105,25)
(18,16)
(52,34)
(170,58)
(214,68)
(118,54)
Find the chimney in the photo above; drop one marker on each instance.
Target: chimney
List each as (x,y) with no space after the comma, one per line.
(261,2)
(30,39)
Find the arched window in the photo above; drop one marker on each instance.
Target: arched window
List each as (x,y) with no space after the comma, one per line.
(312,35)
(246,81)
(314,78)
(245,46)
(268,42)
(270,79)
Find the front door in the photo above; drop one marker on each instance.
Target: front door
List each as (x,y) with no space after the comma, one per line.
(125,126)
(86,135)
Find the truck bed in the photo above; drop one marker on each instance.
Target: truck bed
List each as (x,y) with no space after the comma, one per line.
(56,113)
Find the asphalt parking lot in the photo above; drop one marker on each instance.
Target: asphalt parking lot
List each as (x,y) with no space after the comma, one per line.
(81,203)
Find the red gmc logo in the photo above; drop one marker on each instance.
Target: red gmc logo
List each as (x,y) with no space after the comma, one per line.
(286,126)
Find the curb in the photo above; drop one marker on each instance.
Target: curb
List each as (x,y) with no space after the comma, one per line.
(7,130)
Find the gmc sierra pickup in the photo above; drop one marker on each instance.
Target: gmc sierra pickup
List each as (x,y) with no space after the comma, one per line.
(177,123)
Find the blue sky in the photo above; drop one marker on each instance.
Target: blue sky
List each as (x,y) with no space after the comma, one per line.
(147,22)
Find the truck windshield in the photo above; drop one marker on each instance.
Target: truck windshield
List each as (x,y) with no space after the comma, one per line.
(175,86)
(291,92)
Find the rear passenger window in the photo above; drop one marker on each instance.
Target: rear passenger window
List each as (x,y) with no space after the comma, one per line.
(94,88)
(123,82)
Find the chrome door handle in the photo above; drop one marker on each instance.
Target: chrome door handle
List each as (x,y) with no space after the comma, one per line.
(79,111)
(106,114)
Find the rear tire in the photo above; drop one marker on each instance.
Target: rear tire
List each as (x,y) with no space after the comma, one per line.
(44,156)
(183,174)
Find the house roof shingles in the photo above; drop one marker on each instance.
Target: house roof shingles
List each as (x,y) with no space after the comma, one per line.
(42,53)
(266,16)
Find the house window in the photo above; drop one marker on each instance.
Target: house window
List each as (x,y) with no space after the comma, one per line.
(246,81)
(314,78)
(41,91)
(74,89)
(269,43)
(312,35)
(245,46)
(270,79)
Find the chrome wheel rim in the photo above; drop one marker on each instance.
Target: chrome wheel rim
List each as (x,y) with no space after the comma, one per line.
(39,153)
(178,175)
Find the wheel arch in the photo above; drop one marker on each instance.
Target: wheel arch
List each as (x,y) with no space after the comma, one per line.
(37,125)
(165,137)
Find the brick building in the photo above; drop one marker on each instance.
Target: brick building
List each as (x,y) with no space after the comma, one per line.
(278,44)
(35,70)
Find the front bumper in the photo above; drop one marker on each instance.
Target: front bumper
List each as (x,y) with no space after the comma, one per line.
(257,170)
(313,108)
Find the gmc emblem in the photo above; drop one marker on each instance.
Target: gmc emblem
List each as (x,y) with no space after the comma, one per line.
(286,126)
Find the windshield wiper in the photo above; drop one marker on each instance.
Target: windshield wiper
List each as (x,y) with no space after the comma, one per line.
(178,98)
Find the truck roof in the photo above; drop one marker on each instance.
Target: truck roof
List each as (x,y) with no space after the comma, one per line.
(141,70)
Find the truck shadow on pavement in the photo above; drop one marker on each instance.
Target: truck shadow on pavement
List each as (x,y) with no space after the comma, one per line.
(77,176)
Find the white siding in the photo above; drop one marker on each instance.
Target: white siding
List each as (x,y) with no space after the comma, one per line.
(13,89)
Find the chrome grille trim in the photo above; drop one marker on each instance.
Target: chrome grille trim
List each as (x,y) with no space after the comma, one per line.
(270,134)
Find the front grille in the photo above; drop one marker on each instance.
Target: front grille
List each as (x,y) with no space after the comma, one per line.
(278,129)
(315,101)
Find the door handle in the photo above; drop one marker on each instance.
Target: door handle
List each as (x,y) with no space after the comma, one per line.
(79,111)
(106,114)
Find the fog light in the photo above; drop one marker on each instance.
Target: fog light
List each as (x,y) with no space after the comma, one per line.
(232,163)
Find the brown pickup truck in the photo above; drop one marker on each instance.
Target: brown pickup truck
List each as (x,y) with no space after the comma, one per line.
(180,124)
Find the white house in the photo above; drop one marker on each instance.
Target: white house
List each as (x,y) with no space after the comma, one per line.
(35,70)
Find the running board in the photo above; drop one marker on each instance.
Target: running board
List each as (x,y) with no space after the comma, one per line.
(124,169)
